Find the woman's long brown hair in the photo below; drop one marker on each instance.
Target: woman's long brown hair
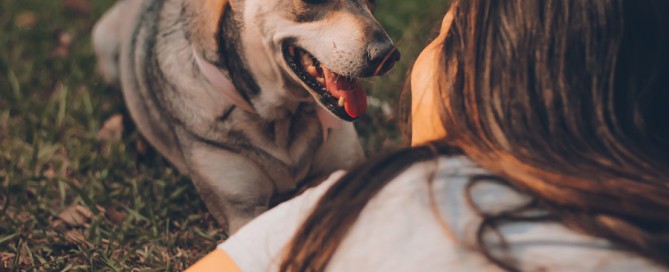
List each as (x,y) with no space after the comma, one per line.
(566,101)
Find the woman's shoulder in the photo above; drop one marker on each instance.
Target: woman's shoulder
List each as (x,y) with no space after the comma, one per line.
(257,246)
(428,217)
(423,220)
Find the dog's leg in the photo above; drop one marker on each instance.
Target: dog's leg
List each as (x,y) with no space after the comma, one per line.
(234,188)
(106,42)
(341,151)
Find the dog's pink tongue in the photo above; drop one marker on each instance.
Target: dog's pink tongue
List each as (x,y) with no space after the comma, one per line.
(355,98)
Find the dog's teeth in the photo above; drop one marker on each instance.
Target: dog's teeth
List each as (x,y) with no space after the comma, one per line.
(342,100)
(312,70)
(321,80)
(306,60)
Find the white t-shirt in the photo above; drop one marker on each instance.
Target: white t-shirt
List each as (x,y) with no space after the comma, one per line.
(398,231)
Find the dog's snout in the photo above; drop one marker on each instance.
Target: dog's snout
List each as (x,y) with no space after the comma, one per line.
(382,56)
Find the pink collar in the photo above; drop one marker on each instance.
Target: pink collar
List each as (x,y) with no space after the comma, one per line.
(225,87)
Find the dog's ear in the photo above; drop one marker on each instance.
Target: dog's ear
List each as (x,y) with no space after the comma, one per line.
(205,17)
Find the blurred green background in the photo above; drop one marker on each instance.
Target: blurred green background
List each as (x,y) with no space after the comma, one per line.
(79,188)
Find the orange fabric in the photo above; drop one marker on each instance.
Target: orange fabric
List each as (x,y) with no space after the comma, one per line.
(216,261)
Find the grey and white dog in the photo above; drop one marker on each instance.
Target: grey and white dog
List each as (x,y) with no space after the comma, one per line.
(242,94)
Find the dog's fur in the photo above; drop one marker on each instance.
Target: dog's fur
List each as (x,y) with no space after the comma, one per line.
(237,159)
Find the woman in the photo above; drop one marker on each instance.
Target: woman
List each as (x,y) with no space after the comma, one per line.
(541,144)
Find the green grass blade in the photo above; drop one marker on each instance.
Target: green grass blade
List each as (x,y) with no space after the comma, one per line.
(8,237)
(16,85)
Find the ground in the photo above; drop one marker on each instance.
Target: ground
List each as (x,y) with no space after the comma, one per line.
(79,189)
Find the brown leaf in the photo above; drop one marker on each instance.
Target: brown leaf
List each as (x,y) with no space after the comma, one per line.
(75,216)
(24,216)
(49,172)
(62,49)
(6,259)
(82,7)
(77,237)
(112,130)
(101,209)
(140,145)
(116,215)
(106,106)
(27,19)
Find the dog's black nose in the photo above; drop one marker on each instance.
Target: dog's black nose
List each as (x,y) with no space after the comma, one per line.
(382,57)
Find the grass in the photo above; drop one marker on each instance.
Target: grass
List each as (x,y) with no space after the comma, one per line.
(71,201)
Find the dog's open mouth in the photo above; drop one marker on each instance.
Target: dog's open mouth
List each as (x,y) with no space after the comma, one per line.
(343,96)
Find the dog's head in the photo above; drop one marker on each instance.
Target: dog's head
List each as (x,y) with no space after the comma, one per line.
(289,46)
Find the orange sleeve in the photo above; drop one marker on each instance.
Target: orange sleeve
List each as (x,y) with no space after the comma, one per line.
(216,261)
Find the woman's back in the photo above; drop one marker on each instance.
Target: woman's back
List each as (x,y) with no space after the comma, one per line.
(398,230)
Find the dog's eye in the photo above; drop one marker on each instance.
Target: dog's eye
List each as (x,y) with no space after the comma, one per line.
(315,2)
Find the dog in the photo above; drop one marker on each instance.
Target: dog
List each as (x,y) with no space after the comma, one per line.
(249,98)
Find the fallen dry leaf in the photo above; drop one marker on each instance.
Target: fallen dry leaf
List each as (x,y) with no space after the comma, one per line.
(116,215)
(24,216)
(77,237)
(7,259)
(49,172)
(27,19)
(75,216)
(101,209)
(140,145)
(106,106)
(62,49)
(112,130)
(82,7)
